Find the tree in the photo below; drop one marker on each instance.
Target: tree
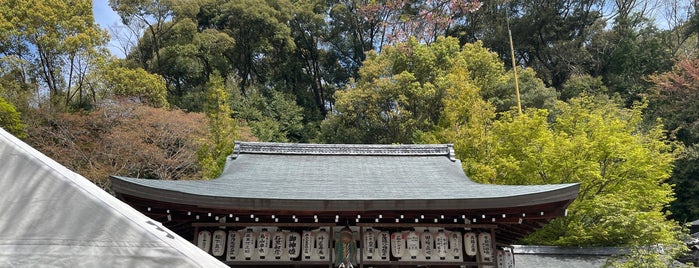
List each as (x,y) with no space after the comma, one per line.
(311,73)
(273,116)
(135,84)
(121,138)
(673,99)
(57,38)
(349,34)
(396,96)
(533,92)
(467,123)
(260,30)
(622,169)
(425,21)
(15,85)
(358,26)
(549,36)
(10,119)
(222,129)
(179,62)
(151,20)
(583,84)
(400,92)
(638,50)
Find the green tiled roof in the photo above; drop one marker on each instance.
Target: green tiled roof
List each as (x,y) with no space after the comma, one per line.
(351,177)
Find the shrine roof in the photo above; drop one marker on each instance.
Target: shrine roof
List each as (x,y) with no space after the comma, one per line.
(326,177)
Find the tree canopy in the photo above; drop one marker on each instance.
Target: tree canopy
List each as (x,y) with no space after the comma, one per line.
(50,44)
(414,92)
(10,119)
(608,90)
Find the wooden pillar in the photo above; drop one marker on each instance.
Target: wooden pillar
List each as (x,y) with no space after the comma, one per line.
(196,235)
(331,230)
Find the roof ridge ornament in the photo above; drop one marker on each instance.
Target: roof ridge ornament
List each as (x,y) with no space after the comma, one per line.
(236,150)
(344,149)
(452,155)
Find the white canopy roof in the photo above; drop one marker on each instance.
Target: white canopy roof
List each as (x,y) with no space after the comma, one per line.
(53,217)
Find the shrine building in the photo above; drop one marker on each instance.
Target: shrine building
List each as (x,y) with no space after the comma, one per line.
(340,205)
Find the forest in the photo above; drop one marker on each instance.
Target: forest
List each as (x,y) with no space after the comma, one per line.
(601,93)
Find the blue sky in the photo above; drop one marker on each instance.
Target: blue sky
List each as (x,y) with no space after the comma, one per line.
(106,17)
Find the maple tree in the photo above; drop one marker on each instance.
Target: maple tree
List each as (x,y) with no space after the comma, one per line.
(674,98)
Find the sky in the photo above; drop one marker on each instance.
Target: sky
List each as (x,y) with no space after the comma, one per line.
(106,18)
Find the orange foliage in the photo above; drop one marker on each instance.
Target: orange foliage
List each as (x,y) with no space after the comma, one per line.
(122,139)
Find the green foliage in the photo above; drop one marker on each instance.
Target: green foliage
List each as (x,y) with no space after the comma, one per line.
(582,84)
(621,164)
(686,207)
(485,67)
(467,123)
(533,92)
(135,84)
(312,72)
(646,257)
(674,99)
(259,28)
(549,36)
(13,88)
(211,44)
(179,61)
(401,92)
(222,129)
(272,115)
(621,167)
(10,119)
(638,50)
(59,38)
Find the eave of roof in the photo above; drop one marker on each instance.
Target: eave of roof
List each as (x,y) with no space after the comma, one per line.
(320,177)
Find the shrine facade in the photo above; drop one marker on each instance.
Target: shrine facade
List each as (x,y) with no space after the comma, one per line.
(339,205)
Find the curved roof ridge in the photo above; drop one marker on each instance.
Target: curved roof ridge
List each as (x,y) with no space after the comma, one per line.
(344,149)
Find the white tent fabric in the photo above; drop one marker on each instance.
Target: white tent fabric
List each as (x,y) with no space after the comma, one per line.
(53,217)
